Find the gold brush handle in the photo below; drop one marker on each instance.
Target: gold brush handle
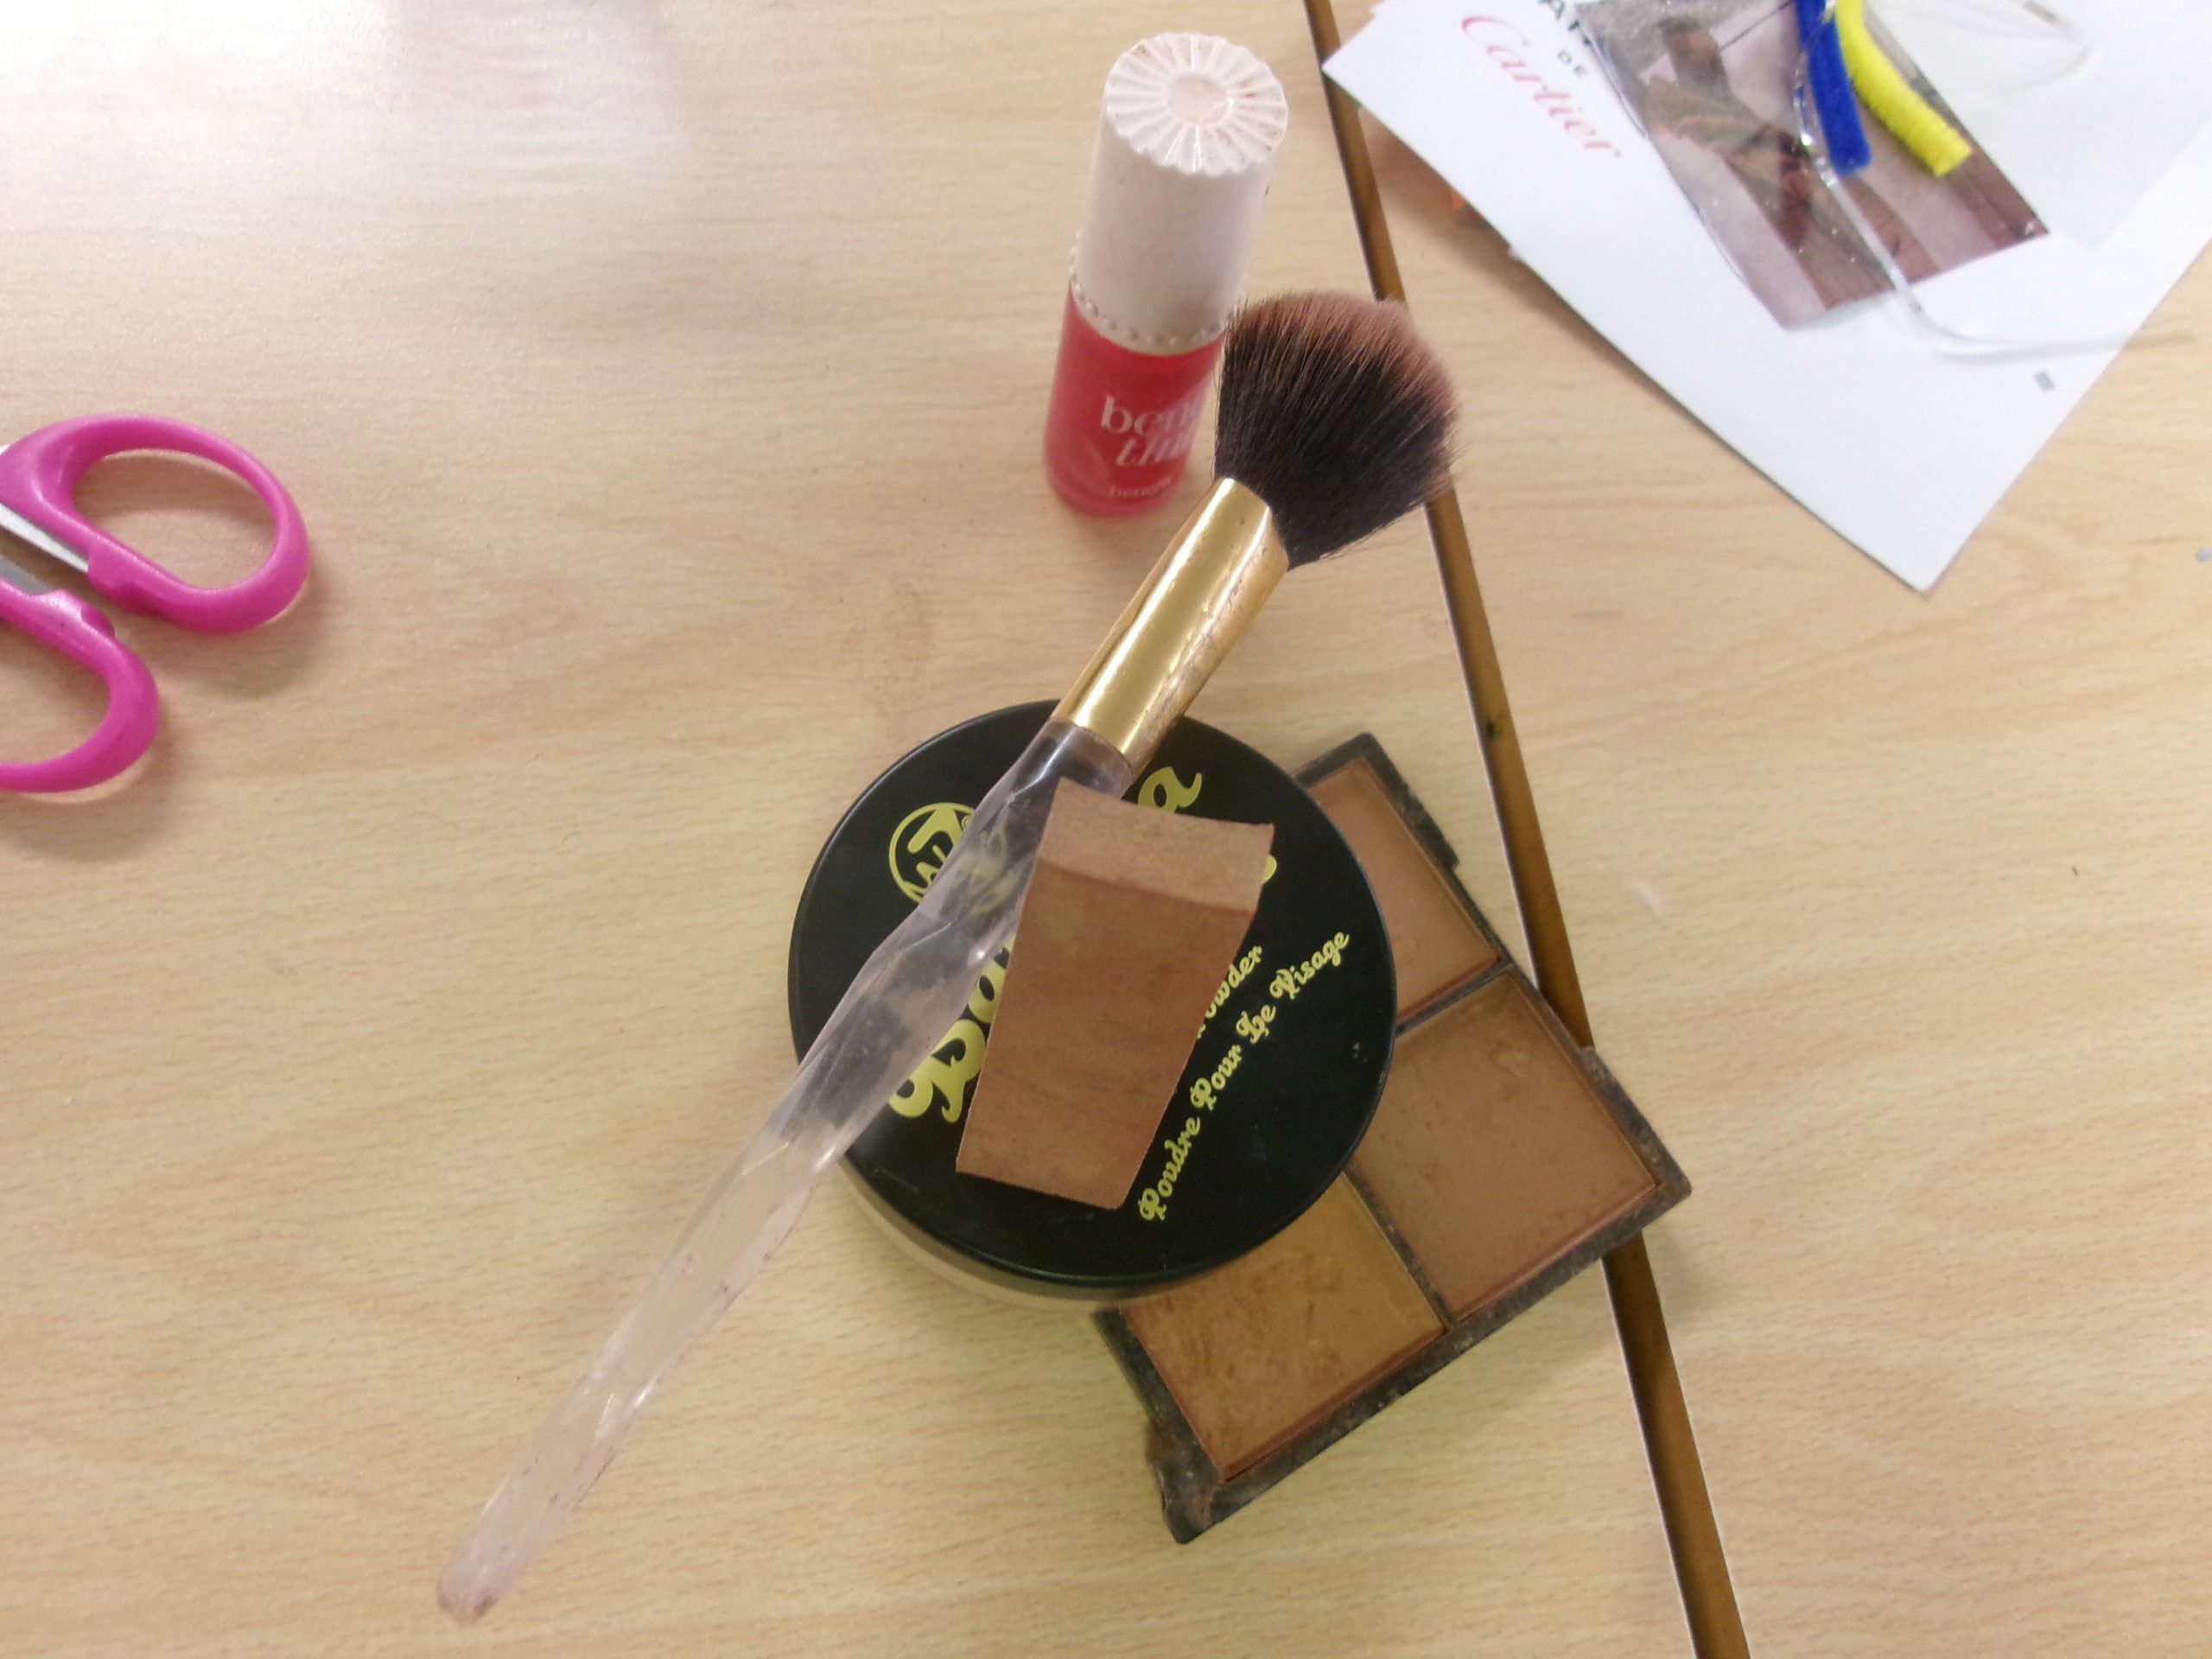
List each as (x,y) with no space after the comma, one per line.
(1201,596)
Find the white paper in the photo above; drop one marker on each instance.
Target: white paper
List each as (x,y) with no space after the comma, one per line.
(1900,447)
(2029,81)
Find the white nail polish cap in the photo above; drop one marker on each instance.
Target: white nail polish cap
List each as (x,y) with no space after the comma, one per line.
(1186,143)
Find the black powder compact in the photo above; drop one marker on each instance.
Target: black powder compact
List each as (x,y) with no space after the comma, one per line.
(1279,1090)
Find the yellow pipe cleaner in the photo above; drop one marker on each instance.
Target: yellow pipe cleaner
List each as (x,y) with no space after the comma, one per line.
(1912,120)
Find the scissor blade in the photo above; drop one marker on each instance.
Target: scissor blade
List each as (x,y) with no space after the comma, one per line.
(15,577)
(21,527)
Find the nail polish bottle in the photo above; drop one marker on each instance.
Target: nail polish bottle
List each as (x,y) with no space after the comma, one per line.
(1188,137)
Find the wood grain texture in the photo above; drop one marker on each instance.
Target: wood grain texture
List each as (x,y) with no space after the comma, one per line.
(1889,910)
(663,385)
(1716,1628)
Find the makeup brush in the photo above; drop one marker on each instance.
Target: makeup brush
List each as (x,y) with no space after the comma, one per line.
(1334,420)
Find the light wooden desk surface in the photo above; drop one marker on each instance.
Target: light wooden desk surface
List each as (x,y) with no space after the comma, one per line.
(663,384)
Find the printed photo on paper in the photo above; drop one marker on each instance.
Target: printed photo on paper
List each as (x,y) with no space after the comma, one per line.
(1711,83)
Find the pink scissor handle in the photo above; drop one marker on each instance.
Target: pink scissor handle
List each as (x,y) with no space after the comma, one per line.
(76,630)
(38,479)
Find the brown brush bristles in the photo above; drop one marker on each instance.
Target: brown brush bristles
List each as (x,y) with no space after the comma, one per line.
(1335,414)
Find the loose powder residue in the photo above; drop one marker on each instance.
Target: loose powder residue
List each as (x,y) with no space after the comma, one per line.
(1261,1349)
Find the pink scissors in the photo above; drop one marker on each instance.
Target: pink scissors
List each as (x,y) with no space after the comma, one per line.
(38,487)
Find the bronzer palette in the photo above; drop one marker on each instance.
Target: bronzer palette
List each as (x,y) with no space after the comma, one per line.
(1502,1160)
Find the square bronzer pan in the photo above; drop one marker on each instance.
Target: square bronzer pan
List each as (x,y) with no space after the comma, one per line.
(1257,1351)
(1502,1161)
(1494,1151)
(1437,940)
